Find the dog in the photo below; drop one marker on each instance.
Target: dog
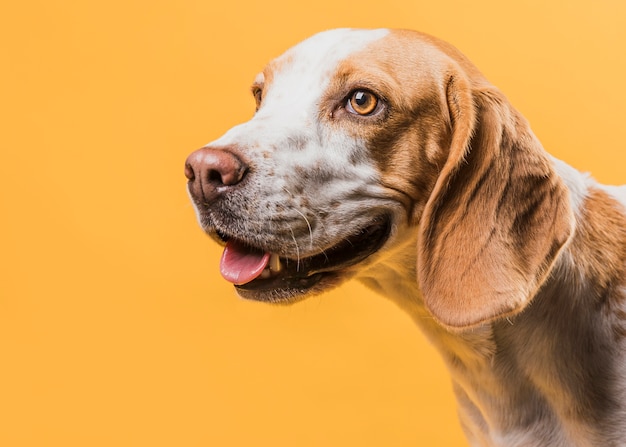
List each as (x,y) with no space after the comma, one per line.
(386,156)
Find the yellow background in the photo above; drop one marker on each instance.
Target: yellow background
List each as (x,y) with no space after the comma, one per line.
(115,326)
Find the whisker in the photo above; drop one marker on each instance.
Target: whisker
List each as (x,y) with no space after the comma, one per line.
(308,224)
(293,236)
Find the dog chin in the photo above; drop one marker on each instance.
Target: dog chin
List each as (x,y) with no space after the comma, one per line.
(282,291)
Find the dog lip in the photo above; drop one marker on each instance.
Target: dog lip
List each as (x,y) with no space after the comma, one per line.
(299,276)
(281,288)
(353,249)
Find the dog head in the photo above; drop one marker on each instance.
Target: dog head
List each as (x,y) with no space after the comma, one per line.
(363,139)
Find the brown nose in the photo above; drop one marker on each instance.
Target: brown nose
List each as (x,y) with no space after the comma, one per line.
(212,171)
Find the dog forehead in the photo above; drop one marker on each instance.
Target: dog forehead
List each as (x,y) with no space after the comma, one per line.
(312,63)
(328,47)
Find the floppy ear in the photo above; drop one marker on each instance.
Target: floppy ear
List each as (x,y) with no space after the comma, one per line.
(497,217)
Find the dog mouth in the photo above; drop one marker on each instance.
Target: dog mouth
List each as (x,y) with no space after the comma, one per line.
(272,277)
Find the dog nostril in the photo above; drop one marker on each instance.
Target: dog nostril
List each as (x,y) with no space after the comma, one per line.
(215,176)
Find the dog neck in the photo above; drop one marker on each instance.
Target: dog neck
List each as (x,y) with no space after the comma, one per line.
(548,375)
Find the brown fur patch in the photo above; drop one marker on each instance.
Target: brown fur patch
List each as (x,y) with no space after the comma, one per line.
(599,249)
(466,167)
(409,139)
(496,221)
(600,244)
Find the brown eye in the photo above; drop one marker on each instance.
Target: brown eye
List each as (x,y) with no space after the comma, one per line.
(362,102)
(258,96)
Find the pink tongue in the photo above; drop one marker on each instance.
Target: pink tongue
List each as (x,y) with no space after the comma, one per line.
(240,264)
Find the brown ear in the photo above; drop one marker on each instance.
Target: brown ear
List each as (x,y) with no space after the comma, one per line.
(497,217)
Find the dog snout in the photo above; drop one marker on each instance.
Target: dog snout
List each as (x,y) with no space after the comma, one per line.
(212,171)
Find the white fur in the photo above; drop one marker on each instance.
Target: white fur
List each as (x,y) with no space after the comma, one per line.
(285,141)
